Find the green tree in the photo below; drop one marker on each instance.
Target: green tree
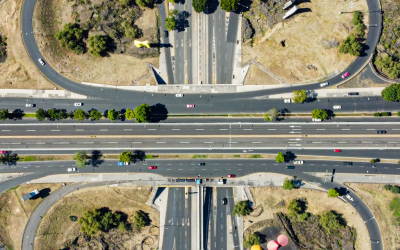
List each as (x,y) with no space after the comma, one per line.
(288,184)
(199,5)
(391,93)
(395,189)
(131,31)
(350,45)
(294,207)
(141,219)
(271,115)
(90,222)
(109,220)
(62,114)
(95,115)
(80,115)
(125,2)
(129,114)
(170,21)
(122,227)
(4,114)
(40,114)
(330,221)
(71,38)
(229,5)
(357,18)
(3,46)
(388,65)
(319,114)
(80,158)
(98,45)
(241,208)
(112,115)
(387,187)
(252,239)
(303,216)
(142,113)
(126,156)
(280,157)
(299,96)
(145,3)
(52,114)
(333,193)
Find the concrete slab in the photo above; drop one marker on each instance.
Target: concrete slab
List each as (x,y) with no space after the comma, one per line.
(376,91)
(33,93)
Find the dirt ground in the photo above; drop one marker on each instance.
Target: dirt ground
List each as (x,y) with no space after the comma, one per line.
(379,200)
(303,59)
(117,69)
(269,201)
(256,76)
(125,199)
(14,213)
(17,70)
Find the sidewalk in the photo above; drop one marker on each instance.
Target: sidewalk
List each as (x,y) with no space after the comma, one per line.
(326,93)
(369,177)
(33,93)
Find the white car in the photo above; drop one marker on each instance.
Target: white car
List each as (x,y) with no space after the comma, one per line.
(78,104)
(337,107)
(316,120)
(41,61)
(288,100)
(179,95)
(324,84)
(298,162)
(126,163)
(349,197)
(29,105)
(71,169)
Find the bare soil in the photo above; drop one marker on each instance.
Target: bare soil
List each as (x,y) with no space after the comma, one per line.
(303,58)
(116,69)
(14,213)
(17,69)
(57,229)
(274,199)
(378,201)
(256,76)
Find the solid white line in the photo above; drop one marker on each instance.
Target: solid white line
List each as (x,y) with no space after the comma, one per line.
(105,129)
(232,142)
(15,143)
(320,129)
(127,129)
(392,142)
(208,142)
(161,142)
(223,129)
(296,128)
(176,129)
(6,130)
(151,129)
(40,143)
(201,129)
(256,142)
(247,129)
(272,129)
(370,129)
(345,129)
(31,130)
(112,142)
(136,142)
(367,142)
(342,142)
(185,142)
(55,130)
(79,129)
(317,142)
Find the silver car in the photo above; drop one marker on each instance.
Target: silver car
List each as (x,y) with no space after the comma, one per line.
(29,105)
(41,61)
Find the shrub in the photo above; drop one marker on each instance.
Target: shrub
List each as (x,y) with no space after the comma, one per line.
(333,193)
(387,187)
(386,114)
(377,114)
(241,208)
(389,66)
(98,45)
(398,113)
(350,45)
(373,161)
(294,207)
(71,37)
(319,114)
(288,184)
(303,217)
(330,221)
(280,157)
(395,189)
(252,239)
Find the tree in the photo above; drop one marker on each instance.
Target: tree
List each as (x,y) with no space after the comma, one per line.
(112,115)
(199,5)
(391,93)
(170,23)
(52,114)
(299,96)
(4,114)
(288,184)
(373,161)
(40,114)
(357,18)
(395,189)
(330,221)
(80,115)
(109,220)
(241,208)
(80,158)
(129,114)
(303,216)
(125,2)
(229,5)
(387,187)
(145,3)
(131,31)
(333,193)
(141,219)
(98,45)
(62,114)
(280,157)
(122,227)
(126,156)
(90,222)
(388,65)
(95,115)
(350,45)
(319,114)
(142,113)
(71,38)
(252,239)
(271,115)
(294,207)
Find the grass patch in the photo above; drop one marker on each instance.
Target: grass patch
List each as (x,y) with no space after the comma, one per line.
(152,156)
(395,207)
(30,158)
(236,156)
(33,115)
(199,156)
(255,156)
(13,188)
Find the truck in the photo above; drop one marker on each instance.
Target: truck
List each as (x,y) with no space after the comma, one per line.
(30,195)
(198,181)
(221,181)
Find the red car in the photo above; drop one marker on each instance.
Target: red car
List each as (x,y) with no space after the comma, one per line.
(153,167)
(231,175)
(3,152)
(338,150)
(190,105)
(345,75)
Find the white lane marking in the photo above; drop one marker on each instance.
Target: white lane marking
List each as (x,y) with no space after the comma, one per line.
(317,141)
(191,169)
(136,142)
(342,142)
(86,142)
(256,142)
(40,143)
(247,129)
(296,128)
(168,164)
(112,142)
(176,129)
(223,129)
(240,164)
(263,164)
(395,128)
(127,129)
(239,169)
(232,142)
(61,142)
(151,129)
(367,142)
(272,129)
(392,142)
(345,129)
(201,129)
(361,166)
(227,169)
(320,129)
(55,130)
(5,130)
(208,142)
(168,169)
(312,164)
(161,142)
(5,143)
(185,142)
(15,143)
(180,169)
(30,130)
(370,129)
(79,129)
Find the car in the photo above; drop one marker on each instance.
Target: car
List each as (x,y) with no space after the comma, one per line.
(352,93)
(316,120)
(179,95)
(324,84)
(165,33)
(381,132)
(349,197)
(347,163)
(127,163)
(345,75)
(120,163)
(231,175)
(202,164)
(190,105)
(289,167)
(78,104)
(71,169)
(153,167)
(41,61)
(337,107)
(224,201)
(3,152)
(30,105)
(298,162)
(373,166)
(338,150)
(287,100)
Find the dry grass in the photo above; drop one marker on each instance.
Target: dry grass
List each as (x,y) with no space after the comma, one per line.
(56,228)
(378,201)
(17,71)
(318,202)
(117,69)
(256,76)
(14,213)
(303,34)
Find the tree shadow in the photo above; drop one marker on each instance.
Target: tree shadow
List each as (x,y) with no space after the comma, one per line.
(139,155)
(95,160)
(17,114)
(9,158)
(364,48)
(301,1)
(181,21)
(159,113)
(146,218)
(243,6)
(289,156)
(121,116)
(342,220)
(342,191)
(330,113)
(211,7)
(303,204)
(161,45)
(300,11)
(263,237)
(42,194)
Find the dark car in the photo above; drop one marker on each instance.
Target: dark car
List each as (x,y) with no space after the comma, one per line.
(381,132)
(202,164)
(347,163)
(224,201)
(289,167)
(165,33)
(353,93)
